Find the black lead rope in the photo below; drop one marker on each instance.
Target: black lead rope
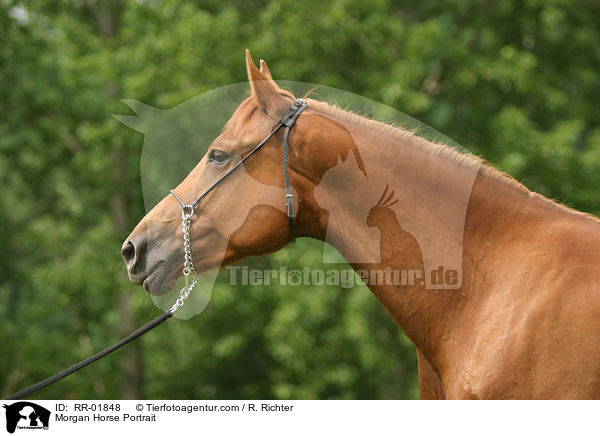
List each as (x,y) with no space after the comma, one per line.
(71,369)
(288,121)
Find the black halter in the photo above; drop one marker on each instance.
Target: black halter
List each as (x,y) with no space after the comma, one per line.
(287,121)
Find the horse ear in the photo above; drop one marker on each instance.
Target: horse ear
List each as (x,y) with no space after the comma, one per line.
(266,91)
(265,70)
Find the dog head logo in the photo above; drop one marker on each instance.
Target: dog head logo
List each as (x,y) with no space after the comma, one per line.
(26,415)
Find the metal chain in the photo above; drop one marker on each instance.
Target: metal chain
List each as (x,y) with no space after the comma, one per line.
(188,264)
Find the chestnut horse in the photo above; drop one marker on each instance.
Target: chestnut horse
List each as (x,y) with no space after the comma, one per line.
(524,320)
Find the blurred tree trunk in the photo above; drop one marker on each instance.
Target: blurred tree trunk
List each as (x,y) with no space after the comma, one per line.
(106,18)
(130,367)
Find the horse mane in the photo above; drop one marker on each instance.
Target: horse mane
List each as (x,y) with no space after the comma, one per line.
(395,131)
(439,149)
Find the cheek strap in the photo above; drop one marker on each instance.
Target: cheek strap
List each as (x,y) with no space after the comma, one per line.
(288,121)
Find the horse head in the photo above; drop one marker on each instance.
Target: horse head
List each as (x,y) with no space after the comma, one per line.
(245,215)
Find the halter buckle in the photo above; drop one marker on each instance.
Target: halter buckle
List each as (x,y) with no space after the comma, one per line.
(295,110)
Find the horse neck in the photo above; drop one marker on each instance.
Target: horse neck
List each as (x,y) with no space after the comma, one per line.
(438,191)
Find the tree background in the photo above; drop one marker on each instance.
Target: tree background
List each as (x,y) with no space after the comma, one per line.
(516,82)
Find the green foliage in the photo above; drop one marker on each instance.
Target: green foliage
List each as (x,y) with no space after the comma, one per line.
(514,81)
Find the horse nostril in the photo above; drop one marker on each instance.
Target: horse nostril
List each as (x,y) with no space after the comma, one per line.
(128,252)
(134,255)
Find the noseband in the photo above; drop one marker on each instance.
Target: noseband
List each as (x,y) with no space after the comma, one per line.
(187,210)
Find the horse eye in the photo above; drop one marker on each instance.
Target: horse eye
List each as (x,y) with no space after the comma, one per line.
(218,157)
